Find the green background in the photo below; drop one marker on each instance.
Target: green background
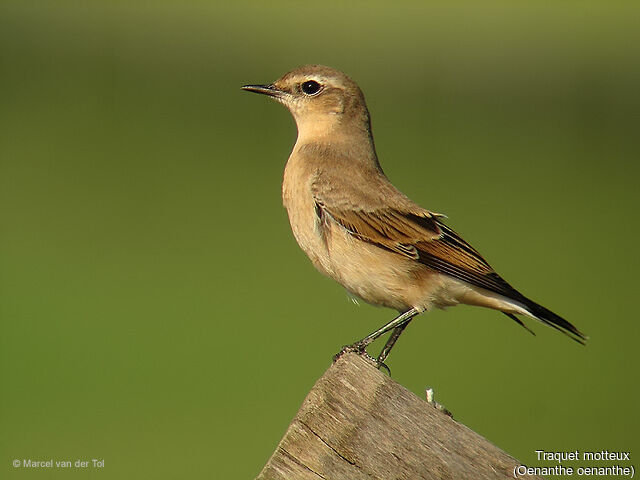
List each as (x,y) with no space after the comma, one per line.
(155,310)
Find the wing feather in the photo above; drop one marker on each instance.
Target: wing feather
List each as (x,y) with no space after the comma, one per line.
(383,216)
(422,237)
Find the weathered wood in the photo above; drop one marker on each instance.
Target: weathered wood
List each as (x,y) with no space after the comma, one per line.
(357,423)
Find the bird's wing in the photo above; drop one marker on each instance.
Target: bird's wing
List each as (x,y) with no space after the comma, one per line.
(390,229)
(451,255)
(385,217)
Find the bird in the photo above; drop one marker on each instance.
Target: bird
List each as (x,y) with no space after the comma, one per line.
(357,228)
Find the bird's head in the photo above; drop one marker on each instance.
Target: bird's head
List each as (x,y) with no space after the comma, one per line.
(322,100)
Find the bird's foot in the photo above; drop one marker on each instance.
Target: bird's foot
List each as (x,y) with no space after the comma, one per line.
(359,348)
(431,400)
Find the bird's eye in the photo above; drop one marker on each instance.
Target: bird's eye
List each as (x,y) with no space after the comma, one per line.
(311,87)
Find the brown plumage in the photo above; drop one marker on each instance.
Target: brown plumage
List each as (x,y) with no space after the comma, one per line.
(357,228)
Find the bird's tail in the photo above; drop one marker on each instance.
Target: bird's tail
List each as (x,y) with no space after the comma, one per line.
(547,317)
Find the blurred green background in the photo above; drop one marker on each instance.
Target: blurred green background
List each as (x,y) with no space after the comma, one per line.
(155,310)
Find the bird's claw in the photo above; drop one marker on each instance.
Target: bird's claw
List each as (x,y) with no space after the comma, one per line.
(359,348)
(383,366)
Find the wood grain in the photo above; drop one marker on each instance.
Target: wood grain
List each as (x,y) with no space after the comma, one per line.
(357,423)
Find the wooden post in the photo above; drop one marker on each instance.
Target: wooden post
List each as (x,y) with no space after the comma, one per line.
(357,423)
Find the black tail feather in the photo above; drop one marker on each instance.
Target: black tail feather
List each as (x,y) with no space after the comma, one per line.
(547,317)
(519,322)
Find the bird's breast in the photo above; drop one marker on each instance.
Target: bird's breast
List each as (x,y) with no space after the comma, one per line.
(303,216)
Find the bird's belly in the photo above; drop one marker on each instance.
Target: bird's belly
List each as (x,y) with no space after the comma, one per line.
(378,276)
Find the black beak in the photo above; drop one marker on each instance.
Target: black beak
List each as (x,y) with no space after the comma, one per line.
(270,90)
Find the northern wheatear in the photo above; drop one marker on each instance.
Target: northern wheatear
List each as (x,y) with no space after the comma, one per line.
(358,229)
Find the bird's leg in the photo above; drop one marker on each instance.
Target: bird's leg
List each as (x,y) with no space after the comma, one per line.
(360,346)
(391,342)
(401,319)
